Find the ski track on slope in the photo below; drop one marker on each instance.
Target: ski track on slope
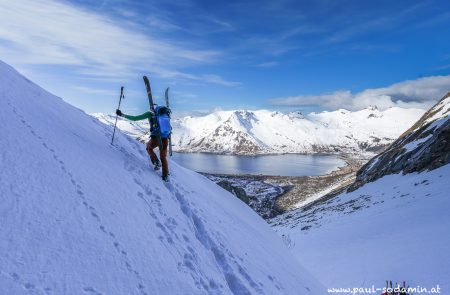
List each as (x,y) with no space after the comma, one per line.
(89,208)
(223,258)
(168,226)
(235,284)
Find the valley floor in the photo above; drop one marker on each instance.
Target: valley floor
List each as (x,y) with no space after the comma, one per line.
(270,196)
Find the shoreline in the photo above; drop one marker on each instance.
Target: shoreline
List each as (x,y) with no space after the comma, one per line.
(295,191)
(265,153)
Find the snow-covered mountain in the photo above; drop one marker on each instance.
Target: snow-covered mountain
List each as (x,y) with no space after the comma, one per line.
(81,216)
(261,132)
(392,223)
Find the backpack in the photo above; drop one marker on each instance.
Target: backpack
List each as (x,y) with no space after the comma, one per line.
(163,117)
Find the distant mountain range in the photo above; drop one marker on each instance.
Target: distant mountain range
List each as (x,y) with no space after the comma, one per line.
(267,132)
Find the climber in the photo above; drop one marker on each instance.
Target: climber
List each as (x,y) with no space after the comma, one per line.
(160,128)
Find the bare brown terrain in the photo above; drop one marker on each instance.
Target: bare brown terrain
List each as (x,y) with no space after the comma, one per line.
(307,187)
(292,191)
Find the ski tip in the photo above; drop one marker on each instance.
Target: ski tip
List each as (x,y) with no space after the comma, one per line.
(145,78)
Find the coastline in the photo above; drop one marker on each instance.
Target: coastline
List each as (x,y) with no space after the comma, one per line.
(291,191)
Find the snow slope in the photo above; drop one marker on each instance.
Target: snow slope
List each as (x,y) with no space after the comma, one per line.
(396,228)
(392,223)
(79,216)
(260,132)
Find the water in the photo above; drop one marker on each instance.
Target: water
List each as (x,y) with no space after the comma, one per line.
(283,165)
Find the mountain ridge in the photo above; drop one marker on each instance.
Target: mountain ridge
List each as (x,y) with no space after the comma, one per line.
(271,132)
(424,146)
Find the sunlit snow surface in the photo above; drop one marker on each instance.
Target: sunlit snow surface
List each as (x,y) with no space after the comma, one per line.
(396,228)
(80,216)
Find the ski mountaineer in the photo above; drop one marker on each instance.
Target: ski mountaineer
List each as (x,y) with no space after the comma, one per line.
(154,133)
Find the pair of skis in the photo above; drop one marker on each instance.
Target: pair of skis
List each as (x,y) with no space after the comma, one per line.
(155,122)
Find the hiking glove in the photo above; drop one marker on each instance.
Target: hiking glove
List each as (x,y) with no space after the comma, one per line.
(119,112)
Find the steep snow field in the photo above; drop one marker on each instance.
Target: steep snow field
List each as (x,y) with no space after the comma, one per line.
(259,132)
(396,228)
(79,216)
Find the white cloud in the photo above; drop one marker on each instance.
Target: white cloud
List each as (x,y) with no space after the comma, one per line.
(420,93)
(49,32)
(211,78)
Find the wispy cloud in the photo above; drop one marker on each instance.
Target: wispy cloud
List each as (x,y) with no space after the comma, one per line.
(420,93)
(94,90)
(357,26)
(102,91)
(218,80)
(268,64)
(208,78)
(163,23)
(49,32)
(444,67)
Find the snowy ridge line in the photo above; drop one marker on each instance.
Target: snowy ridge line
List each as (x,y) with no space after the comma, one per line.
(267,132)
(423,147)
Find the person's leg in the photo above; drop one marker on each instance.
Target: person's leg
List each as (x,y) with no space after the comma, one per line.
(151,144)
(163,156)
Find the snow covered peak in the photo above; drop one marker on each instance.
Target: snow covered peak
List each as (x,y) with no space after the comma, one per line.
(296,115)
(245,117)
(80,215)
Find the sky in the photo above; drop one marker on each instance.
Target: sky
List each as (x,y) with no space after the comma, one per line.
(220,55)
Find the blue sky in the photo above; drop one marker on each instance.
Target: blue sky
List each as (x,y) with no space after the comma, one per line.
(283,55)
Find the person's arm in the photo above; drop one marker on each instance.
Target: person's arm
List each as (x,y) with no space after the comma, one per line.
(145,115)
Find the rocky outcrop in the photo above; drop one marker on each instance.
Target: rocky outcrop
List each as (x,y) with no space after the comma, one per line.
(235,190)
(425,146)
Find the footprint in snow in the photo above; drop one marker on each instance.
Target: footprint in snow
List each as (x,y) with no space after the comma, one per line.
(91,290)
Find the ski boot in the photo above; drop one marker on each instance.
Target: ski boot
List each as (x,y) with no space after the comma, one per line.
(156,165)
(165,178)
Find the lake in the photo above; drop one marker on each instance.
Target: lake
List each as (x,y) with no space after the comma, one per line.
(283,165)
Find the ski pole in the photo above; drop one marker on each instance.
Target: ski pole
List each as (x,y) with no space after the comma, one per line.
(120,100)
